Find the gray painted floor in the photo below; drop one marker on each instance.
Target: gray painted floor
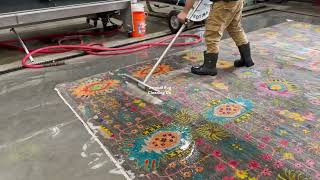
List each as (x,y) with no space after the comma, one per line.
(40,138)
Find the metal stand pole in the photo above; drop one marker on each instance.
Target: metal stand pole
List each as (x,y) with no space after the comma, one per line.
(22,44)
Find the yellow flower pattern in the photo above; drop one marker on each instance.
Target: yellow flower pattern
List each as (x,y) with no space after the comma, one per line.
(195,56)
(241,174)
(292,115)
(252,178)
(219,85)
(222,64)
(139,103)
(288,155)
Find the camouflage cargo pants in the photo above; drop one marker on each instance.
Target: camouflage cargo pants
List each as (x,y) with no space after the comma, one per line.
(224,16)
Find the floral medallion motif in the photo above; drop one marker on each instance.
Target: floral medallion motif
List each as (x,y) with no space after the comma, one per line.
(148,150)
(228,110)
(95,87)
(143,71)
(222,111)
(161,141)
(277,87)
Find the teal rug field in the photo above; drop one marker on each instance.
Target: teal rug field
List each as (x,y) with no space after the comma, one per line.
(248,123)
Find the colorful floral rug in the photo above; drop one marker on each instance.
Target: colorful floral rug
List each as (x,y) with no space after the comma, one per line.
(247,123)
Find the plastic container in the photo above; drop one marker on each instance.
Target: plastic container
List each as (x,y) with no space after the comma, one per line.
(139,20)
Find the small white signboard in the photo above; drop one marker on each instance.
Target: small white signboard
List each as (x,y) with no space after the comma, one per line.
(202,12)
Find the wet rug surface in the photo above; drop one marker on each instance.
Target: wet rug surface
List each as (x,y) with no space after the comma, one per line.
(247,123)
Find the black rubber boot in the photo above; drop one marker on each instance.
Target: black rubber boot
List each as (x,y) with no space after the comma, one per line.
(209,65)
(246,59)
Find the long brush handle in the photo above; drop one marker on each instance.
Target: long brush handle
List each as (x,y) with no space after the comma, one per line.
(165,53)
(190,14)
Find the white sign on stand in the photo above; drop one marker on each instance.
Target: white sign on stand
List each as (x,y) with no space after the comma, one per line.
(202,12)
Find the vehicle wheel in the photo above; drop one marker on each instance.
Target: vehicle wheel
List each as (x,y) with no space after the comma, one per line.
(174,23)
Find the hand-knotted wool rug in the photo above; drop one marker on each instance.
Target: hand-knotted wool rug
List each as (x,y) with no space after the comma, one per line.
(247,123)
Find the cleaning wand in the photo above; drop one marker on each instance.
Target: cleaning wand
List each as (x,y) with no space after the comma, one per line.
(143,84)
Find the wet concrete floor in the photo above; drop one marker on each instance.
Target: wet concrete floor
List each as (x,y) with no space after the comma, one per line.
(40,138)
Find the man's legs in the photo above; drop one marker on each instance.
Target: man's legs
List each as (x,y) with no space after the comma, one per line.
(219,18)
(215,27)
(237,33)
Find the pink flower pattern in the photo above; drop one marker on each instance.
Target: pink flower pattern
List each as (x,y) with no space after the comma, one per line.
(220,167)
(298,150)
(310,162)
(266,172)
(267,128)
(216,153)
(278,164)
(228,178)
(283,143)
(266,157)
(262,146)
(233,163)
(253,165)
(266,139)
(199,142)
(298,165)
(247,137)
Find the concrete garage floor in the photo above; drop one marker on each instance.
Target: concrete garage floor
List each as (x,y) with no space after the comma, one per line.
(40,138)
(12,59)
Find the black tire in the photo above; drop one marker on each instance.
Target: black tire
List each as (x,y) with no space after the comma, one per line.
(173,21)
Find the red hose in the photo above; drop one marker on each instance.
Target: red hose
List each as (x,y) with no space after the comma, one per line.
(6,44)
(92,48)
